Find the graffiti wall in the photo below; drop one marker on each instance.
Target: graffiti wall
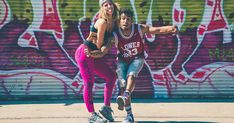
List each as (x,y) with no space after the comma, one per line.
(38,39)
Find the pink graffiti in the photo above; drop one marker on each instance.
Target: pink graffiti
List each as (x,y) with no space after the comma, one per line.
(178,15)
(150,37)
(45,18)
(77,89)
(49,56)
(51,19)
(4,13)
(208,30)
(214,21)
(167,79)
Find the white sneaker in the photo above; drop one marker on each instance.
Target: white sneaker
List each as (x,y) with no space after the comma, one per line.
(106,112)
(96,118)
(129,119)
(121,102)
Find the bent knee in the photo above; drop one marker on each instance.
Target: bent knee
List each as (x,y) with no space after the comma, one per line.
(132,77)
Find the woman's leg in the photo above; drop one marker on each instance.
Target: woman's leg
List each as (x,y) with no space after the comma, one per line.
(86,66)
(103,70)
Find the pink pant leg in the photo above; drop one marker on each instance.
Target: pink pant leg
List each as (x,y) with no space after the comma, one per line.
(86,66)
(104,71)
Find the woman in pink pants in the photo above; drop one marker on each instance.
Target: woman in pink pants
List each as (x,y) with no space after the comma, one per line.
(97,40)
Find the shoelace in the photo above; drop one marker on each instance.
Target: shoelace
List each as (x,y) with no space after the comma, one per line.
(110,109)
(107,109)
(96,116)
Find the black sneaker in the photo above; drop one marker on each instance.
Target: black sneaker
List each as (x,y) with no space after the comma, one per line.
(129,119)
(121,102)
(106,112)
(95,118)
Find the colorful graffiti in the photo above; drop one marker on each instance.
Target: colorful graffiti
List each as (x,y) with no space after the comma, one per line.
(38,39)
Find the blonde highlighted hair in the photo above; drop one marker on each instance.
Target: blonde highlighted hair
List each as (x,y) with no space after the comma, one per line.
(110,19)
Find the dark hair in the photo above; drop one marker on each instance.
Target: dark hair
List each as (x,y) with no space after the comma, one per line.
(126,11)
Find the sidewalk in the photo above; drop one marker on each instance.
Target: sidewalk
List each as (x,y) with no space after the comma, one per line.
(145,111)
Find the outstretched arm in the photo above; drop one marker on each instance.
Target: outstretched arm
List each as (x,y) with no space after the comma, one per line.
(160,30)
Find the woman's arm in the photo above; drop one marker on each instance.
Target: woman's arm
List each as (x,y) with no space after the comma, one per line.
(101,26)
(104,49)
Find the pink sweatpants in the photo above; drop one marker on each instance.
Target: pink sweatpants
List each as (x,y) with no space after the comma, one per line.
(88,66)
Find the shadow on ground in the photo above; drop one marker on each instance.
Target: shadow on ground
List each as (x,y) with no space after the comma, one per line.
(174,122)
(80,100)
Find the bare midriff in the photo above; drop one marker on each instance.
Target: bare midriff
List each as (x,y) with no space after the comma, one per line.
(92,37)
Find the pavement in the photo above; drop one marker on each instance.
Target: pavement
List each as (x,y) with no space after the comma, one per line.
(145,111)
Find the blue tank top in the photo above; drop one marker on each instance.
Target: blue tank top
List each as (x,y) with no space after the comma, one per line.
(93,29)
(93,46)
(106,35)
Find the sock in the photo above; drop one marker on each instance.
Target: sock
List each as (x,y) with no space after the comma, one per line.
(128,109)
(127,94)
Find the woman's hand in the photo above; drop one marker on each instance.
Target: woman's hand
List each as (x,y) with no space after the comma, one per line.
(93,53)
(87,52)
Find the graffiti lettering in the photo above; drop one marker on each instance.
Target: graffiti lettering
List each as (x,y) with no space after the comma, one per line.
(222,54)
(27,61)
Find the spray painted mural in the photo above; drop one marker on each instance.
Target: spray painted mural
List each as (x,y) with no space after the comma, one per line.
(38,39)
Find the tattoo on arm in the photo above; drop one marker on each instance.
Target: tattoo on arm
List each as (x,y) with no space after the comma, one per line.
(96,54)
(104,49)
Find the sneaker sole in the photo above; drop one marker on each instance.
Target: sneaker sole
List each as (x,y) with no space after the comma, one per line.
(111,120)
(96,122)
(120,103)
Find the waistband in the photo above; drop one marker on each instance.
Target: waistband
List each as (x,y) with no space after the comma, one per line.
(91,45)
(129,59)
